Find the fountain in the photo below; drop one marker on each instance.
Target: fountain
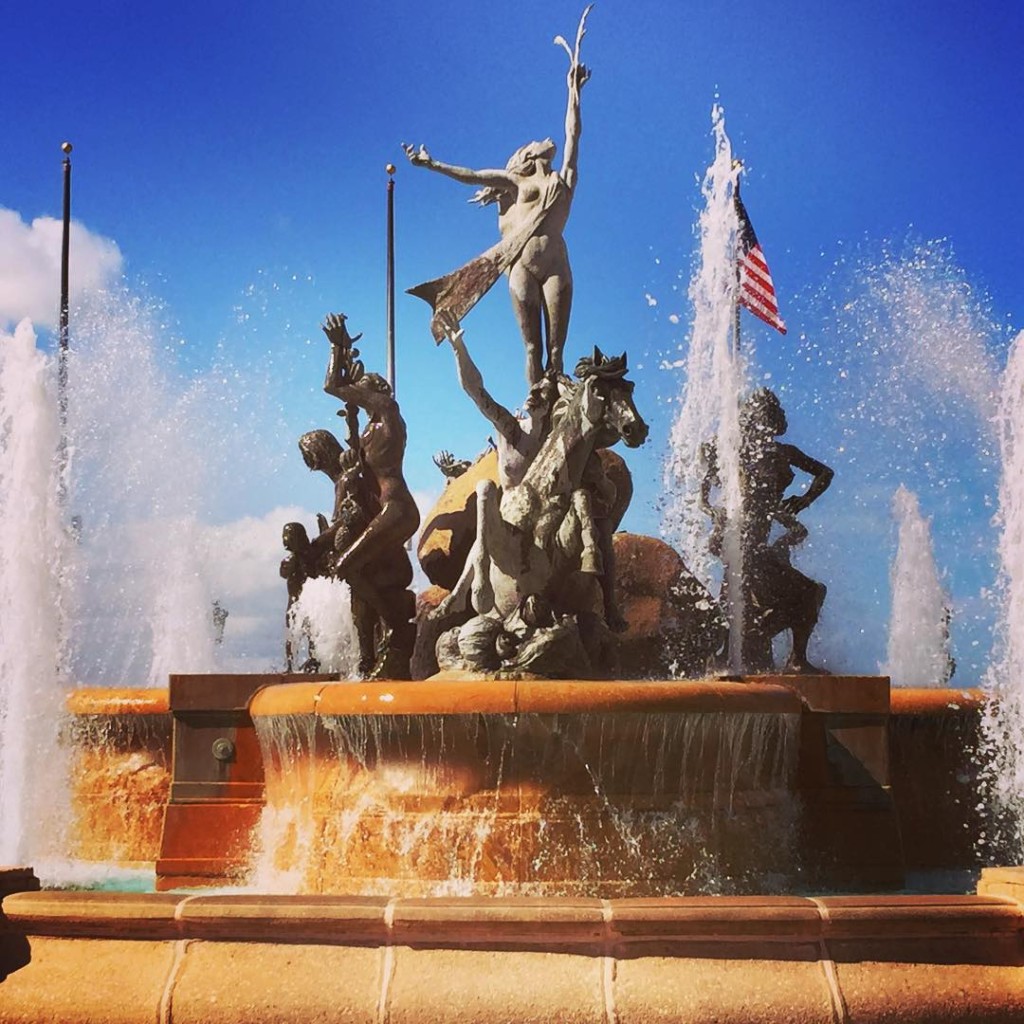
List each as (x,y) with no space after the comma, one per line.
(534,831)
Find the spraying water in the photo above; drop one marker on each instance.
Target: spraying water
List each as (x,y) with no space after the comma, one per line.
(33,552)
(1004,724)
(919,642)
(715,377)
(896,373)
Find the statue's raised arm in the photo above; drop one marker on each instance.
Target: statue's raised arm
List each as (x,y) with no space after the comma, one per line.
(579,75)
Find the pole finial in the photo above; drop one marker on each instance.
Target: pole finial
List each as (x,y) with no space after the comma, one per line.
(66,147)
(390,168)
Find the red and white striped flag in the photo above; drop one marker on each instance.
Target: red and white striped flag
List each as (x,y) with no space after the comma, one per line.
(757,292)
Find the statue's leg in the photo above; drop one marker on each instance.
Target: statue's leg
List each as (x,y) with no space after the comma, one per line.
(803,627)
(591,560)
(527,304)
(612,616)
(365,620)
(557,292)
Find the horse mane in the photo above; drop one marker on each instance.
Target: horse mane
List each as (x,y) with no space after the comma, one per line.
(610,368)
(602,366)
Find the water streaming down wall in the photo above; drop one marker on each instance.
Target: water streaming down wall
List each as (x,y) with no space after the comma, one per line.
(587,803)
(715,378)
(33,556)
(919,623)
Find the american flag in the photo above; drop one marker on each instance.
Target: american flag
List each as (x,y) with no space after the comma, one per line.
(757,292)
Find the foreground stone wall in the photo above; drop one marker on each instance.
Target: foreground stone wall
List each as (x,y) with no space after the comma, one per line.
(101,957)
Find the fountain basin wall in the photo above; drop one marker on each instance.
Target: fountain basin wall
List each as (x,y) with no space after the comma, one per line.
(934,737)
(99,957)
(565,788)
(120,774)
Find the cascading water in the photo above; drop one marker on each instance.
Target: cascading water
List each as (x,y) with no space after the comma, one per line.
(919,639)
(33,556)
(715,378)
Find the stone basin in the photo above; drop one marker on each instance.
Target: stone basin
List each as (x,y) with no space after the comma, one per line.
(554,787)
(101,956)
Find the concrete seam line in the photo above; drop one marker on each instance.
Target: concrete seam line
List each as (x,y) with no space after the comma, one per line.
(608,965)
(840,1014)
(174,971)
(387,963)
(164,1010)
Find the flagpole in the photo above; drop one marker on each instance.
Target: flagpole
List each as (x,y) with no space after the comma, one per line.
(738,167)
(737,613)
(390,168)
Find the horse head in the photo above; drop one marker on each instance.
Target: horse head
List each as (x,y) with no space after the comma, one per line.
(608,400)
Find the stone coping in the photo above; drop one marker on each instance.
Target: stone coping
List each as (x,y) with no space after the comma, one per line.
(596,927)
(908,700)
(477,696)
(108,701)
(769,694)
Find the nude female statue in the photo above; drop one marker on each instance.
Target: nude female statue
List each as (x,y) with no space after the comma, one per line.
(533,203)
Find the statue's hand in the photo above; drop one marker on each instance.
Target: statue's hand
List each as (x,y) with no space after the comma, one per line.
(794,504)
(450,323)
(450,466)
(334,327)
(579,75)
(420,157)
(348,460)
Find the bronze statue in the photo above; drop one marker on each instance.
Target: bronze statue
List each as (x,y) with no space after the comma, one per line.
(374,561)
(536,538)
(374,513)
(519,440)
(533,203)
(297,566)
(776,596)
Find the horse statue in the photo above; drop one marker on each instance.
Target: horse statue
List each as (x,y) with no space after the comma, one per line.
(534,539)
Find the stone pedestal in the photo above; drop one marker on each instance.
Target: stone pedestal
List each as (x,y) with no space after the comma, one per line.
(217,782)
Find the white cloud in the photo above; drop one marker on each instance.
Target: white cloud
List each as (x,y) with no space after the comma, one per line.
(30,267)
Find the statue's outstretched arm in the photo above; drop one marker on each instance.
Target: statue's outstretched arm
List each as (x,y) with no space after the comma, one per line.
(473,383)
(821,478)
(492,178)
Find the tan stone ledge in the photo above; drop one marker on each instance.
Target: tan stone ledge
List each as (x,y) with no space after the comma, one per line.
(927,701)
(474,696)
(1006,882)
(888,926)
(99,701)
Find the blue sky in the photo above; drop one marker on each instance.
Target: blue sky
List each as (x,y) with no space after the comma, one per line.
(235,153)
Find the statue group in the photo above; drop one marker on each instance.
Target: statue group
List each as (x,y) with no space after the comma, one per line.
(531,582)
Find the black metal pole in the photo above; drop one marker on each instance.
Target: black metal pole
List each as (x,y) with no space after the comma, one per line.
(65,252)
(391,276)
(62,350)
(738,166)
